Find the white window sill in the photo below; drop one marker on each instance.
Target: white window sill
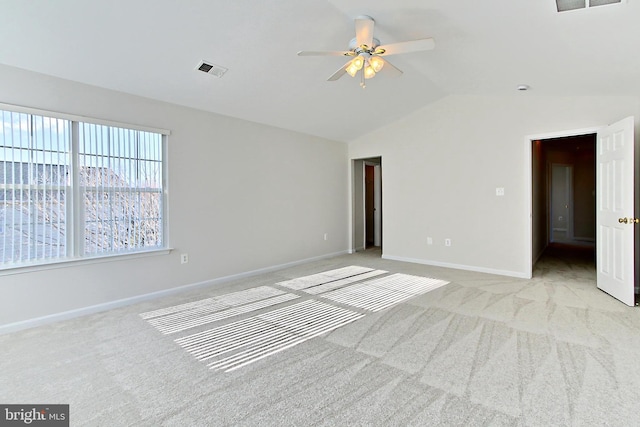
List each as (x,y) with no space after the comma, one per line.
(6,270)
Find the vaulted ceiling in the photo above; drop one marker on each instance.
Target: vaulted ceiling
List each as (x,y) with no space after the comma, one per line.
(152,47)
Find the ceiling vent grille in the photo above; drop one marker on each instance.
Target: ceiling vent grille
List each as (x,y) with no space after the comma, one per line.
(210,68)
(564,5)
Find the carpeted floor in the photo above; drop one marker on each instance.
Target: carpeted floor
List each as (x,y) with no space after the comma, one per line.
(481,350)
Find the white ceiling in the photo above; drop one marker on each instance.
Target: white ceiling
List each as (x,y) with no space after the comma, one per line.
(151,48)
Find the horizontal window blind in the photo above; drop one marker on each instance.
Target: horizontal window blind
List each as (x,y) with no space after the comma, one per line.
(72,189)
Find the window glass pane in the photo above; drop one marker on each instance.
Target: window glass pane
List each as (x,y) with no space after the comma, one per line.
(121,185)
(120,194)
(34,180)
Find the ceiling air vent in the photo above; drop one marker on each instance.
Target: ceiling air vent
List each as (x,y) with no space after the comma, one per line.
(564,5)
(213,69)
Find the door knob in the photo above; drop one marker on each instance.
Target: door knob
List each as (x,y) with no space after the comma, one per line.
(629,220)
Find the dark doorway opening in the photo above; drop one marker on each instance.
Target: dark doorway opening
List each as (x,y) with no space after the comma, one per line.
(564,198)
(367,204)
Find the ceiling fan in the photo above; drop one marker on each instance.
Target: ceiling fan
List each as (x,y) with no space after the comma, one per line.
(367,53)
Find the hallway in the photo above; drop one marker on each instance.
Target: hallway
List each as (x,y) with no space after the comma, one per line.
(566,257)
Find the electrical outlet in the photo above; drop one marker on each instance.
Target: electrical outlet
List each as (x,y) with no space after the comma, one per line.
(429,241)
(500,191)
(447,242)
(184,258)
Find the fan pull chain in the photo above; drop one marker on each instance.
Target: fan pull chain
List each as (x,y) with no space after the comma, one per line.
(362,83)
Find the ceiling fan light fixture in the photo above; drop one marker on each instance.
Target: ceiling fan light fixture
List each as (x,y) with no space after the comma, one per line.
(352,69)
(358,62)
(369,72)
(376,63)
(365,52)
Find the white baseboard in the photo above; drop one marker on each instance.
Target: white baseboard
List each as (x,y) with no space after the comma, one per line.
(517,274)
(71,314)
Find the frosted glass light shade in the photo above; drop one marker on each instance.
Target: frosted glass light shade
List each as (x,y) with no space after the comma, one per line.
(352,69)
(358,62)
(376,63)
(369,72)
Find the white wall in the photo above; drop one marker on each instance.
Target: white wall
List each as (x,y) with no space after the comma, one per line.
(242,197)
(442,165)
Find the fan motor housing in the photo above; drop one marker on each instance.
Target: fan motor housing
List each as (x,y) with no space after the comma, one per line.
(353,45)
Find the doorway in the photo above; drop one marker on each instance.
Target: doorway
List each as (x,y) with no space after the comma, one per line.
(616,239)
(367,204)
(564,195)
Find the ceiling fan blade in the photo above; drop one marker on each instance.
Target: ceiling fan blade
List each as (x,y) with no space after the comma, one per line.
(364,30)
(405,47)
(324,53)
(390,70)
(341,72)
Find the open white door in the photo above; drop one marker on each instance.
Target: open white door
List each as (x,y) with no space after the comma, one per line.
(377,206)
(615,210)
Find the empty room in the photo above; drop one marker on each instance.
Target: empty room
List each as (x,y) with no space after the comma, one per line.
(323,212)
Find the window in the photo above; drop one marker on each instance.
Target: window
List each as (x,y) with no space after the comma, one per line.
(71,189)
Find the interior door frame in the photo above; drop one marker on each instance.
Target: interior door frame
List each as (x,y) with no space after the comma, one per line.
(369,223)
(357,224)
(528,146)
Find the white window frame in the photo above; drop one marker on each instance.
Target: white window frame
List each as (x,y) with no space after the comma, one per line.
(74,209)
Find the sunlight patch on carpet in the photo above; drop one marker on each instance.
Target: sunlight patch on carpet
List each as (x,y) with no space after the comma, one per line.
(384,292)
(303,283)
(329,286)
(246,341)
(185,316)
(330,299)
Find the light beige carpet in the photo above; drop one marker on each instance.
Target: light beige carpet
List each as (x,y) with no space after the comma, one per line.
(481,351)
